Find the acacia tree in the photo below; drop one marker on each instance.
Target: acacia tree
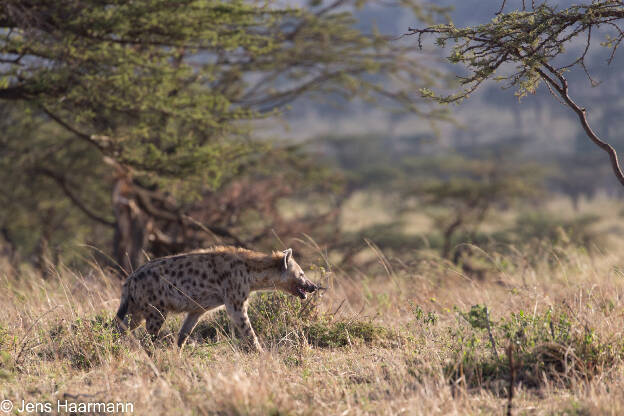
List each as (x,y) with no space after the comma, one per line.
(161,94)
(530,46)
(461,197)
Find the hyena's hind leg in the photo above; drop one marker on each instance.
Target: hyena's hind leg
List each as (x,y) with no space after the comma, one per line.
(128,317)
(188,325)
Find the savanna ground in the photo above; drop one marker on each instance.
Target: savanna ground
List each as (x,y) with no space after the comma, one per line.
(394,333)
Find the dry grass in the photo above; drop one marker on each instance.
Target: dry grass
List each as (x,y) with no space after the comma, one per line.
(563,314)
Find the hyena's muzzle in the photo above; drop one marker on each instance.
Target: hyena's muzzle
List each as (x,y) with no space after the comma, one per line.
(302,288)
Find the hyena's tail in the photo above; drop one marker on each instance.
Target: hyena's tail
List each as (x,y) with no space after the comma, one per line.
(123,308)
(122,312)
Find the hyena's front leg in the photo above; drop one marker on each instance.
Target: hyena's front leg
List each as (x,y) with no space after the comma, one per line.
(237,310)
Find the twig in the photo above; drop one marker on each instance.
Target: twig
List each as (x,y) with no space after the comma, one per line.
(512,378)
(61,181)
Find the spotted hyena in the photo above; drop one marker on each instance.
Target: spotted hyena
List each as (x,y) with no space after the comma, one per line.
(199,281)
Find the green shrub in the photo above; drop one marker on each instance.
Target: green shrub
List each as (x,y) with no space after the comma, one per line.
(429,318)
(86,343)
(279,318)
(4,336)
(549,345)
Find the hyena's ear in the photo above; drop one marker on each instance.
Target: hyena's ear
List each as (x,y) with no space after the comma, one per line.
(287,256)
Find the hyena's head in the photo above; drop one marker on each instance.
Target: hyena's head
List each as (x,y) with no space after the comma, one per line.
(292,279)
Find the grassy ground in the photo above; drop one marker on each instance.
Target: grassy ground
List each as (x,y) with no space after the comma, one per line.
(405,337)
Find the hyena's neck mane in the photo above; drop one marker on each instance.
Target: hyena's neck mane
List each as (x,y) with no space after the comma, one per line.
(263,268)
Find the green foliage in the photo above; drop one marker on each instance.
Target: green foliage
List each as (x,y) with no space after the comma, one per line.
(280,319)
(6,361)
(429,318)
(551,345)
(484,208)
(167,87)
(465,195)
(477,317)
(529,39)
(41,169)
(387,237)
(84,343)
(326,334)
(574,409)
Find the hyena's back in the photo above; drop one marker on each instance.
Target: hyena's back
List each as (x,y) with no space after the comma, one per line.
(183,283)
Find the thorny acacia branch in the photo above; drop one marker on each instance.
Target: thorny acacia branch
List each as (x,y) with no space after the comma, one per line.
(533,41)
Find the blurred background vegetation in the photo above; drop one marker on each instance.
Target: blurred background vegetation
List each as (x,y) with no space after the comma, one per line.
(134,130)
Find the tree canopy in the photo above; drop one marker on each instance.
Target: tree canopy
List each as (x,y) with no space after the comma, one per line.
(151,101)
(161,86)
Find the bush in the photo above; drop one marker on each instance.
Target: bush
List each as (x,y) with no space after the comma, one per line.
(86,343)
(549,346)
(278,318)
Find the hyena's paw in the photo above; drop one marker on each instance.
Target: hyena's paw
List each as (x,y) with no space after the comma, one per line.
(251,347)
(151,343)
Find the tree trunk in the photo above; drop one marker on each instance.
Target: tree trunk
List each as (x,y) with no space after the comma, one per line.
(148,221)
(131,226)
(448,237)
